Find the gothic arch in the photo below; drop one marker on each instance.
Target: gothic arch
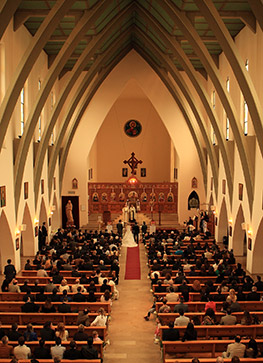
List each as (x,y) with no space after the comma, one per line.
(239,233)
(257,250)
(7,245)
(223,222)
(43,213)
(55,222)
(28,245)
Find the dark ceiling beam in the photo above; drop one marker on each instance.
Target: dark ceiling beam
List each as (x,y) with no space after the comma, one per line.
(238,67)
(77,70)
(7,10)
(257,8)
(180,86)
(105,71)
(247,17)
(198,46)
(81,28)
(206,39)
(63,38)
(27,62)
(179,55)
(21,16)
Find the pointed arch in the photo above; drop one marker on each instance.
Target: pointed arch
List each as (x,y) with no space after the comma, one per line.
(211,202)
(42,213)
(257,251)
(223,222)
(55,221)
(193,200)
(238,233)
(28,245)
(7,246)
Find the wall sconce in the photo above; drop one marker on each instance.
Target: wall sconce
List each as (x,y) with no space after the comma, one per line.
(230,221)
(53,207)
(213,208)
(249,232)
(17,232)
(36,221)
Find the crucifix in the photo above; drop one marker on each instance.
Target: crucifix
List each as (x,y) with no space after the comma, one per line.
(133,163)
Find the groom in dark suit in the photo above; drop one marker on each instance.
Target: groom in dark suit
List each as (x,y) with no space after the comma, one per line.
(136,231)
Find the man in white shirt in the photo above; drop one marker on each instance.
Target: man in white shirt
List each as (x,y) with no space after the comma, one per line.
(21,351)
(76,285)
(181,320)
(57,350)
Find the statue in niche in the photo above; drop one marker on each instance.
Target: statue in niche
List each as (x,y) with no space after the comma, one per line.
(95,197)
(69,208)
(74,183)
(170,197)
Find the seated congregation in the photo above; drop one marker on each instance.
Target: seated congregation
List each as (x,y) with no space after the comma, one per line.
(205,305)
(59,306)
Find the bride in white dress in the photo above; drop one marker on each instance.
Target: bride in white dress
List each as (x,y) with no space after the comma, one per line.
(128,239)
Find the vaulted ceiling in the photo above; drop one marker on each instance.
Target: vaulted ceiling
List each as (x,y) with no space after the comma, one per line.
(171,35)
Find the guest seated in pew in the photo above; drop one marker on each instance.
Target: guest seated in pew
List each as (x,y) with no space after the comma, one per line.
(181,320)
(41,272)
(21,351)
(30,335)
(64,307)
(101,319)
(75,287)
(80,335)
(47,333)
(28,265)
(6,350)
(48,307)
(54,297)
(209,318)
(252,350)
(95,336)
(235,349)
(247,318)
(151,310)
(83,317)
(25,287)
(235,307)
(105,286)
(13,286)
(88,351)
(190,333)
(160,287)
(196,287)
(64,286)
(41,297)
(165,308)
(172,295)
(228,319)
(210,303)
(79,297)
(171,334)
(253,295)
(42,352)
(91,287)
(106,297)
(13,334)
(35,287)
(72,353)
(57,350)
(259,284)
(181,305)
(61,332)
(50,286)
(29,306)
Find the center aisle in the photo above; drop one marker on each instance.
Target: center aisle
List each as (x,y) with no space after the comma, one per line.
(131,337)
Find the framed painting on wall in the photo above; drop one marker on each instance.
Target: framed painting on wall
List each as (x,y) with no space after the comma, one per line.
(36,231)
(224,186)
(143,172)
(249,243)
(17,243)
(240,191)
(3,196)
(26,190)
(42,186)
(124,172)
(54,183)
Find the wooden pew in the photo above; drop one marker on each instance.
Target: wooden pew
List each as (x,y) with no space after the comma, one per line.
(15,296)
(72,329)
(220,331)
(213,360)
(98,286)
(15,306)
(7,360)
(44,280)
(40,319)
(32,345)
(166,317)
(194,306)
(65,273)
(195,296)
(212,347)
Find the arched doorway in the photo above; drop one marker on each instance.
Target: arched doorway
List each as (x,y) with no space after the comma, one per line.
(7,245)
(27,236)
(222,222)
(239,235)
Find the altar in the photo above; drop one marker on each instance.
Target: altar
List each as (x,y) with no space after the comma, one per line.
(145,197)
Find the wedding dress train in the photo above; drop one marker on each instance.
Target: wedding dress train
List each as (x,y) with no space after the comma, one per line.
(128,239)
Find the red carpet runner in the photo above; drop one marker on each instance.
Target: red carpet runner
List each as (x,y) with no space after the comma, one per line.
(133,270)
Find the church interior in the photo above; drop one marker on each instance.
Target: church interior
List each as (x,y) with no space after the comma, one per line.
(154,105)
